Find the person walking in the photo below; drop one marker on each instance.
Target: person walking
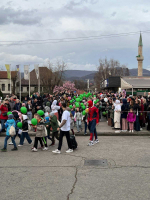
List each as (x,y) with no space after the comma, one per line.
(3,115)
(64,130)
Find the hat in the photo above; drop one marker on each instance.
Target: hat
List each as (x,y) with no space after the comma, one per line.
(10,116)
(51,114)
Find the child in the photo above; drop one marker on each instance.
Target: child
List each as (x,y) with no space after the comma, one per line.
(131,118)
(10,122)
(24,131)
(85,123)
(40,133)
(47,125)
(55,126)
(72,123)
(78,116)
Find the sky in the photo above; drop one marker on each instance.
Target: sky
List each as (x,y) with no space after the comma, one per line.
(46,23)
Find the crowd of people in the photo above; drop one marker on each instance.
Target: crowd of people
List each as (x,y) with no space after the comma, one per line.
(59,117)
(126,113)
(62,112)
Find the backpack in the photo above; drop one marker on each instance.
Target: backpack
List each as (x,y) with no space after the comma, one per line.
(58,122)
(29,127)
(12,131)
(73,142)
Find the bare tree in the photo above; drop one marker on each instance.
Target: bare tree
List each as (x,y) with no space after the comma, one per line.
(54,76)
(108,68)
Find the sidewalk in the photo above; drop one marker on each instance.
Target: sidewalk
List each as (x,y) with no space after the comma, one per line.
(103,130)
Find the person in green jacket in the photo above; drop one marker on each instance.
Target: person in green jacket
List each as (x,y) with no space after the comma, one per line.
(54,125)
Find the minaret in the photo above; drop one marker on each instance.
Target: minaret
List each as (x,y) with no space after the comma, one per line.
(140,57)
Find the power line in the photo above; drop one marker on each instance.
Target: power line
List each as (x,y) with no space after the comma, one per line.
(48,41)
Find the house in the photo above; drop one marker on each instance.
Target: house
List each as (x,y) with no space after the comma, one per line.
(5,82)
(45,78)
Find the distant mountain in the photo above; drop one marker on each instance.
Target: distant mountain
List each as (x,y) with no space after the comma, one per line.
(76,73)
(134,72)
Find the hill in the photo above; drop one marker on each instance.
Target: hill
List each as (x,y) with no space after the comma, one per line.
(72,75)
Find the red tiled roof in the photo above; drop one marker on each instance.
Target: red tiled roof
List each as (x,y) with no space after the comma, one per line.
(3,74)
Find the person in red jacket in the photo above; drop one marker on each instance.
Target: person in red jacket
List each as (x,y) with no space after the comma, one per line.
(3,116)
(92,121)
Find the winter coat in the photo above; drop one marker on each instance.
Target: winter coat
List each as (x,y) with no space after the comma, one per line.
(40,130)
(29,108)
(131,117)
(137,109)
(17,106)
(9,123)
(78,116)
(12,104)
(54,123)
(124,109)
(3,109)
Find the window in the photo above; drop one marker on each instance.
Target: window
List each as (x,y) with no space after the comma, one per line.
(21,89)
(8,87)
(3,87)
(27,89)
(35,89)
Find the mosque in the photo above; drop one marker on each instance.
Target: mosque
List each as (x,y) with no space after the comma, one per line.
(134,85)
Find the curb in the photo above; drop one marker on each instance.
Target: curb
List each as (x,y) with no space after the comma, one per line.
(141,133)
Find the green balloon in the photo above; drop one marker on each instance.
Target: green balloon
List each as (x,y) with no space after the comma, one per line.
(94,95)
(9,113)
(40,112)
(77,99)
(70,101)
(74,97)
(82,104)
(77,105)
(83,107)
(23,110)
(34,122)
(19,124)
(71,106)
(95,102)
(84,113)
(104,113)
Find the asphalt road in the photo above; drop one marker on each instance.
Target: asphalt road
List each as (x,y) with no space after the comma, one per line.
(43,175)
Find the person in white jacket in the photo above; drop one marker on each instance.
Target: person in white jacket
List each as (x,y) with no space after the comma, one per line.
(55,108)
(78,116)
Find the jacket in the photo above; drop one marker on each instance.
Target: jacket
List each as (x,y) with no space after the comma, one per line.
(3,109)
(9,123)
(78,116)
(124,109)
(54,124)
(131,117)
(40,130)
(17,106)
(12,104)
(29,109)
(25,123)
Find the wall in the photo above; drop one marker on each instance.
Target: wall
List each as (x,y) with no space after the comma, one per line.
(6,82)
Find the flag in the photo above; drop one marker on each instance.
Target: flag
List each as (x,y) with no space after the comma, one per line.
(8,71)
(17,66)
(26,72)
(36,67)
(18,73)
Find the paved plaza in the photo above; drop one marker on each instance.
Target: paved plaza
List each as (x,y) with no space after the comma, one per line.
(43,175)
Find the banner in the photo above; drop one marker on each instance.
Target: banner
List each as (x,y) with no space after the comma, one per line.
(36,67)
(8,71)
(26,72)
(17,66)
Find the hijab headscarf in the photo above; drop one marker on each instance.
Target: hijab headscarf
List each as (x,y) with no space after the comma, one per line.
(54,107)
(117,105)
